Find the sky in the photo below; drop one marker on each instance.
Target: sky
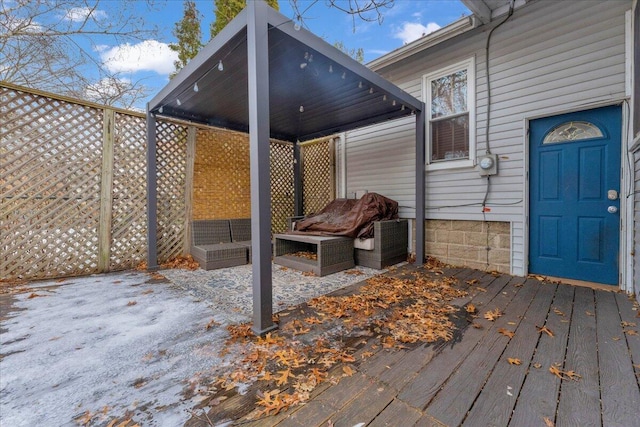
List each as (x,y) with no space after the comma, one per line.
(150,61)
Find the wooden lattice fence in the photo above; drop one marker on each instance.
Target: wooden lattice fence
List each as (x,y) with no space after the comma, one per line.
(318,174)
(73,184)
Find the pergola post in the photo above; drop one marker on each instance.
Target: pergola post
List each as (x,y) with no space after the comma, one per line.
(152,194)
(297,180)
(420,185)
(259,129)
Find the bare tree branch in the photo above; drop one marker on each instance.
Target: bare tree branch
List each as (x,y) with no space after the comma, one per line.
(41,46)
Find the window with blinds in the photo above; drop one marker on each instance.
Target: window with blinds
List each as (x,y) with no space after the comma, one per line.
(450,98)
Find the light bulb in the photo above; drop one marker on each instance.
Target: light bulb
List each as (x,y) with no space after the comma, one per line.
(330,69)
(306,56)
(296,26)
(370,90)
(303,65)
(394,103)
(360,85)
(220,66)
(301,109)
(344,75)
(195,87)
(178,101)
(402,109)
(161,109)
(384,97)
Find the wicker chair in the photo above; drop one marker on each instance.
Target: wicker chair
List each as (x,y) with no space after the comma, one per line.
(241,233)
(211,245)
(389,247)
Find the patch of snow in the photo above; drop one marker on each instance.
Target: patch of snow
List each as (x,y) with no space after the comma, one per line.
(105,344)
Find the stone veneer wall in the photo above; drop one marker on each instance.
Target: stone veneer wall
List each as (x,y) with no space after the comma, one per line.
(464,243)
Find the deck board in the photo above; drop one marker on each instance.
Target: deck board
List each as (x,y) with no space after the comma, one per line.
(538,397)
(419,392)
(619,389)
(468,380)
(451,403)
(579,403)
(632,317)
(497,398)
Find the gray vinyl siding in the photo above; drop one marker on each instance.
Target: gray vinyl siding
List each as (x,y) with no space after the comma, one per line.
(636,224)
(550,57)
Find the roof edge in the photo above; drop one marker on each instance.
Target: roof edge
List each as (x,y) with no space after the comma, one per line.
(445,33)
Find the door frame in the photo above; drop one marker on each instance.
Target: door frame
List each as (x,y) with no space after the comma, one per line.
(625,259)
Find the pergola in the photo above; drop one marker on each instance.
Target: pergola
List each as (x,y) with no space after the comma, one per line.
(264,75)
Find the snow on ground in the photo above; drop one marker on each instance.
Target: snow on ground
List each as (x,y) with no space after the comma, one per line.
(119,344)
(104,344)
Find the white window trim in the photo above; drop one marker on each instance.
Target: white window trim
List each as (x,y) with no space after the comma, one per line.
(470,66)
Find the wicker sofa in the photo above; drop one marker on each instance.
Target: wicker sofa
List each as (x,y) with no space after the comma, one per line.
(212,245)
(390,242)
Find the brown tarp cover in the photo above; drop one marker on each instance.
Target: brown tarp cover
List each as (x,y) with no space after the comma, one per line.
(350,217)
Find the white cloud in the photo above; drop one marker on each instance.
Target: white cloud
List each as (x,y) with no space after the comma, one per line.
(106,88)
(79,14)
(149,55)
(411,31)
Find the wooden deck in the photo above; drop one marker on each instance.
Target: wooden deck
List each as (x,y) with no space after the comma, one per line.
(469,381)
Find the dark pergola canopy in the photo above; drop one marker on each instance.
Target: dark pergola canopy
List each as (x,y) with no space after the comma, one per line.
(336,92)
(265,76)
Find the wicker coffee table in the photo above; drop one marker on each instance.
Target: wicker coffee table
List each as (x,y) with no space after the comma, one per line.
(332,254)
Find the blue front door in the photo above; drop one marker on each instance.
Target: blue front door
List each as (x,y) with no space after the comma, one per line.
(574,185)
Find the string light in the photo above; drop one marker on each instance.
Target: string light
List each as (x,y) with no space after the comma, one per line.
(220,66)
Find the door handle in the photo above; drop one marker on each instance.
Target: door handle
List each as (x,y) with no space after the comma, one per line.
(612,209)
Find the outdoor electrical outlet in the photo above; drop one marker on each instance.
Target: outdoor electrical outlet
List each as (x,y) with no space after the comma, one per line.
(487,164)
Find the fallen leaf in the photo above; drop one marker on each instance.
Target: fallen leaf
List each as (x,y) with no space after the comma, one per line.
(631,332)
(347,371)
(506,332)
(537,365)
(558,312)
(477,325)
(626,324)
(563,375)
(493,315)
(514,361)
(211,324)
(284,376)
(366,354)
(588,313)
(470,308)
(545,330)
(548,422)
(616,338)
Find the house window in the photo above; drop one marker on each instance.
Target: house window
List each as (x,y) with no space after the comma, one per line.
(450,98)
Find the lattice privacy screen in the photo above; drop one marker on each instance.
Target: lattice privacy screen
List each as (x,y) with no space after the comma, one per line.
(50,163)
(73,184)
(318,175)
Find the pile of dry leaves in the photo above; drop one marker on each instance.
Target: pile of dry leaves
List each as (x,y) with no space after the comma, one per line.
(317,343)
